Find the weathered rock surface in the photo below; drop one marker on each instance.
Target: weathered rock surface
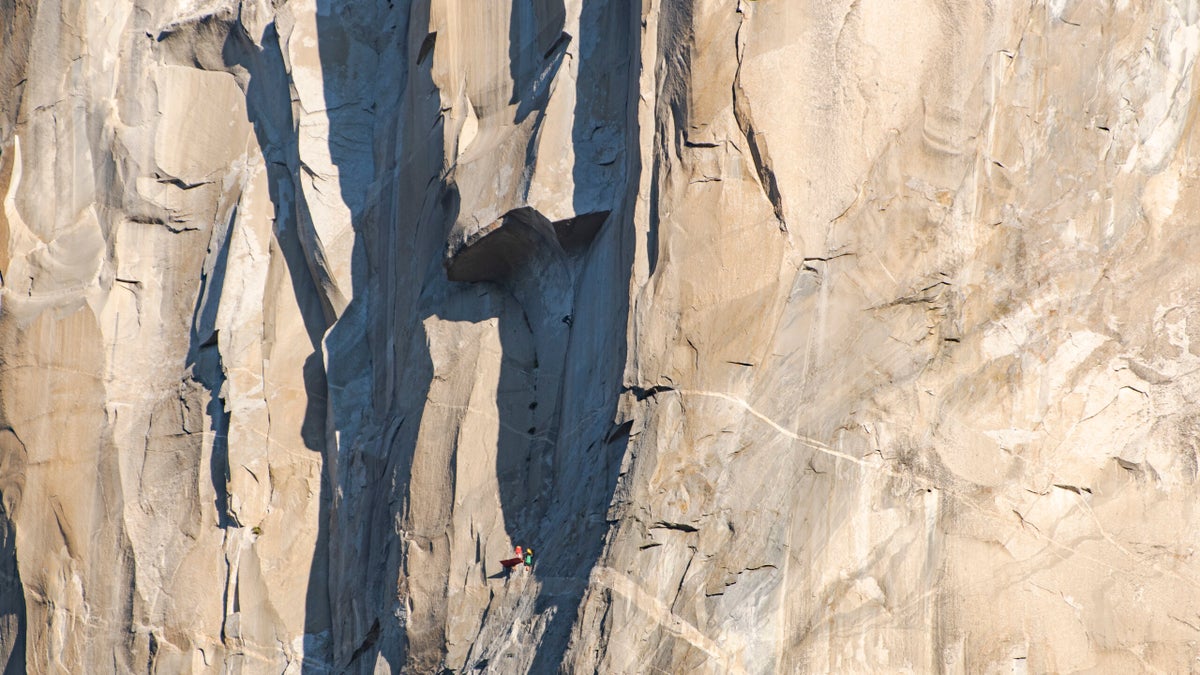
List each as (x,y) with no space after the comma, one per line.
(794,337)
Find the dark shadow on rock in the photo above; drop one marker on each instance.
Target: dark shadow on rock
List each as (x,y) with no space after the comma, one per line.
(268,105)
(536,45)
(557,503)
(204,364)
(13,629)
(560,301)
(258,65)
(372,418)
(504,573)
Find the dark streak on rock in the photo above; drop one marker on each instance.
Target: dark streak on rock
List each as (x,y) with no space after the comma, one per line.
(643,394)
(368,642)
(622,430)
(179,183)
(1073,488)
(755,139)
(426,47)
(679,527)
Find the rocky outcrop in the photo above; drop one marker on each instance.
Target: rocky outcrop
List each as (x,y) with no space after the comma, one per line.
(793,338)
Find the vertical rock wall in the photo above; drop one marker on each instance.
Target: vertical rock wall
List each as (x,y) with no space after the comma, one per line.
(793,336)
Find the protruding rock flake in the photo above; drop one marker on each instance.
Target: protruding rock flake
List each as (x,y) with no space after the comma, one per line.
(847,336)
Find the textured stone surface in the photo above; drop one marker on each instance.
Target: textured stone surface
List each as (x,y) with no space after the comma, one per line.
(794,336)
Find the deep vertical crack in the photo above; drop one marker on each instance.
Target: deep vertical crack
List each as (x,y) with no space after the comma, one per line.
(755,140)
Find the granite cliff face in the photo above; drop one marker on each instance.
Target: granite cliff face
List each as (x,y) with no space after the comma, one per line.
(794,336)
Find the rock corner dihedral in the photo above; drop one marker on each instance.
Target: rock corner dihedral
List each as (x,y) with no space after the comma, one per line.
(794,337)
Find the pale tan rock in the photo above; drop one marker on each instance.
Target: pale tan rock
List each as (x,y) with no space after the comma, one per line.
(827,337)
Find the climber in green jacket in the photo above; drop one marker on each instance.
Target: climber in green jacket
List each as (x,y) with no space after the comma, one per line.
(528,559)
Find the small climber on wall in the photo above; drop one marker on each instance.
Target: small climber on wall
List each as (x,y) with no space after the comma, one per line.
(528,559)
(517,560)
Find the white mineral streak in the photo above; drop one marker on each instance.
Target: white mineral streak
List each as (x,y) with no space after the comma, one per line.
(793,336)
